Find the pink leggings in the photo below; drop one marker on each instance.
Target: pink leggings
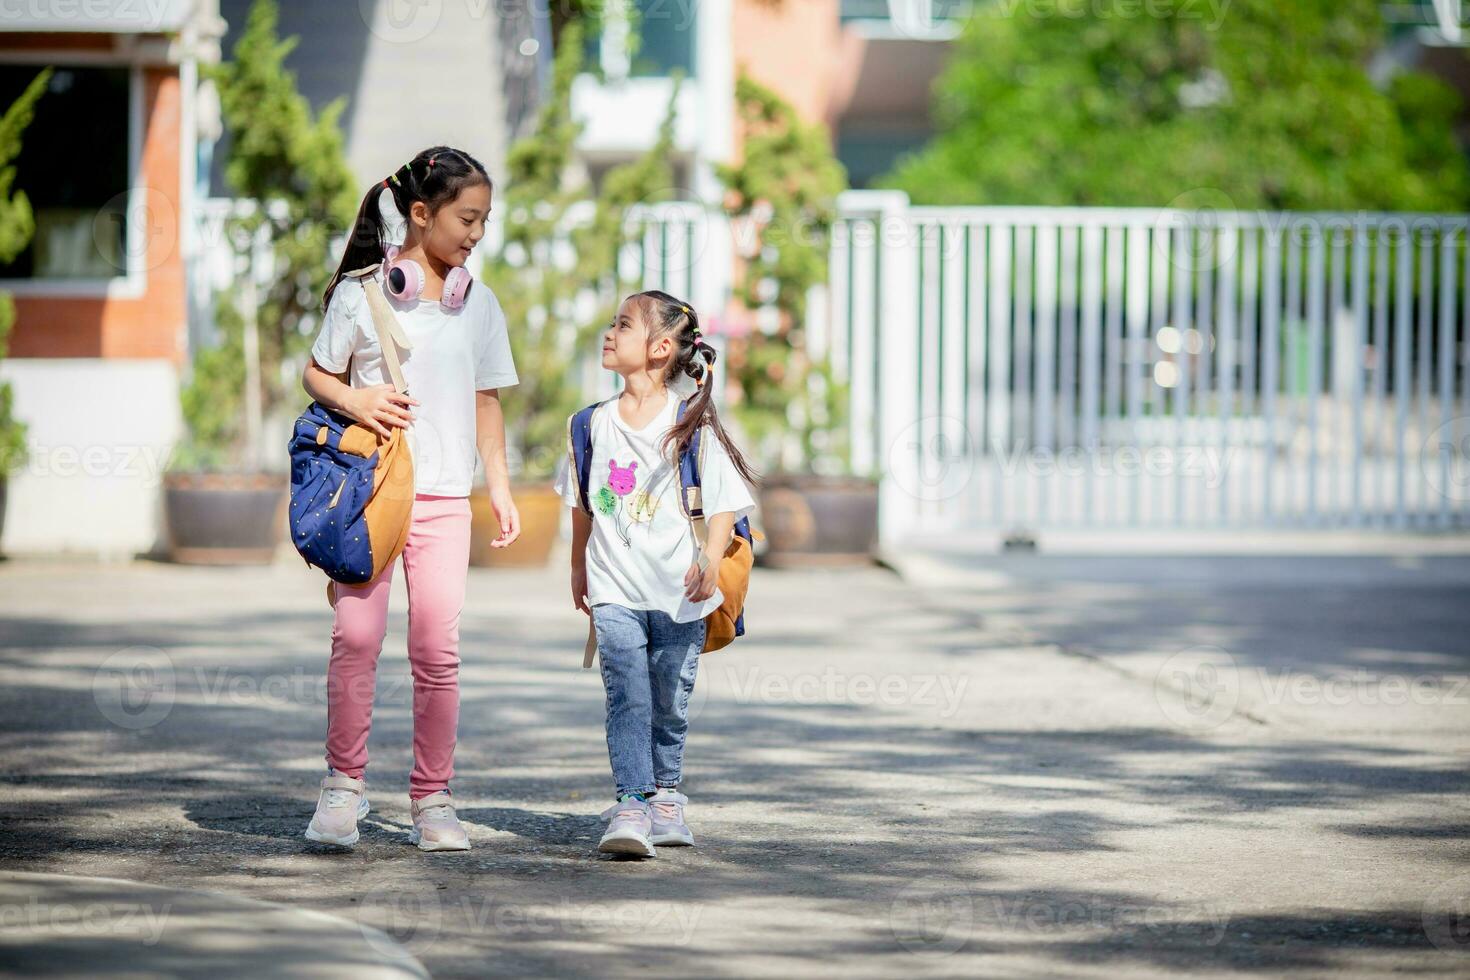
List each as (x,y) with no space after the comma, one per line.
(435,561)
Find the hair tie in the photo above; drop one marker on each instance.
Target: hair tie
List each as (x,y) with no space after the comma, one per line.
(431,161)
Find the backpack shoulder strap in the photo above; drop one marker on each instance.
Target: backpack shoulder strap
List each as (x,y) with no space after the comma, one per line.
(691,495)
(579,468)
(690,461)
(579,452)
(385,325)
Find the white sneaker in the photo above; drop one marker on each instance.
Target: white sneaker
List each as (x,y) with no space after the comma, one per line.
(342,803)
(666,807)
(435,826)
(628,832)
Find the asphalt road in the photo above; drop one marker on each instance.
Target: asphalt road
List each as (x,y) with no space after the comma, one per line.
(1019,766)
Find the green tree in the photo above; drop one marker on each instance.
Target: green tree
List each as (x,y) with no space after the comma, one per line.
(292,165)
(1272,107)
(17,225)
(784,189)
(555,256)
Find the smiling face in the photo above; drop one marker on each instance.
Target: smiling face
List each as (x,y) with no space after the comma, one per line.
(626,344)
(449,233)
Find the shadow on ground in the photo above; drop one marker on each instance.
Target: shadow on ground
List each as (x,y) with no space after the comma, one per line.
(892,827)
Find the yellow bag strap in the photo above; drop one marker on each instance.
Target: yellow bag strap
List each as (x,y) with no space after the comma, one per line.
(694,503)
(589,652)
(385,325)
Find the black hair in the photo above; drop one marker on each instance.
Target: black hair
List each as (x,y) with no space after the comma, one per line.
(671,317)
(435,176)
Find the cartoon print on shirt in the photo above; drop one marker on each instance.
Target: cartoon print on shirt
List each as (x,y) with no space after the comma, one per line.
(641,507)
(620,483)
(625,503)
(644,503)
(621,479)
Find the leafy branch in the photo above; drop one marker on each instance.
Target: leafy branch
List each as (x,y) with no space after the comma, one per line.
(17,226)
(784,194)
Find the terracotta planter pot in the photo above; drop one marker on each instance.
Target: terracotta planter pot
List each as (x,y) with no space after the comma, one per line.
(224,518)
(819,520)
(540,508)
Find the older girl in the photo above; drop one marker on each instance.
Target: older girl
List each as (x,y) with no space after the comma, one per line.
(457,361)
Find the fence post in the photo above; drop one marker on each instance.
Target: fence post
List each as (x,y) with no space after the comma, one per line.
(895,411)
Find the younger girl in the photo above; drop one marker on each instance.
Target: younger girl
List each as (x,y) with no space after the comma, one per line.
(635,562)
(457,359)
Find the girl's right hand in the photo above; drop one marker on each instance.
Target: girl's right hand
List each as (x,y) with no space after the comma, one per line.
(379,407)
(579,590)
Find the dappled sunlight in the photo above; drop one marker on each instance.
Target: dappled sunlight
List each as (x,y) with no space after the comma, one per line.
(932,750)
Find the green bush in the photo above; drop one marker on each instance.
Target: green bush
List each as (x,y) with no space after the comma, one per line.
(786,185)
(17,225)
(278,155)
(548,264)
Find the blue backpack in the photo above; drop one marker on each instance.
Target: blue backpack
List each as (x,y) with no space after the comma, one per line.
(727,622)
(351,489)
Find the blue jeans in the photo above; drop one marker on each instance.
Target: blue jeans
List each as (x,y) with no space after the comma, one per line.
(648,666)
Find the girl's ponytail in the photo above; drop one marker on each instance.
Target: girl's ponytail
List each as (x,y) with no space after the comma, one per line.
(364,242)
(695,359)
(435,176)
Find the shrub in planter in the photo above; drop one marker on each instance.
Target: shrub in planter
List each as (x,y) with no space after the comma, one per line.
(218,511)
(784,191)
(17,225)
(290,165)
(550,263)
(12,430)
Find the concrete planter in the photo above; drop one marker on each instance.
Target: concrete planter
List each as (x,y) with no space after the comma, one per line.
(224,518)
(540,509)
(818,520)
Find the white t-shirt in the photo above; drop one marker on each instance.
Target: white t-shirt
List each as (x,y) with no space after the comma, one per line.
(641,544)
(455,354)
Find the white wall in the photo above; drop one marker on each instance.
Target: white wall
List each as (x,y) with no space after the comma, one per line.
(99,433)
(415,75)
(431,74)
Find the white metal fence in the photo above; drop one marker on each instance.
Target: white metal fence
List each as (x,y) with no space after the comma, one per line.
(1026,368)
(1034,368)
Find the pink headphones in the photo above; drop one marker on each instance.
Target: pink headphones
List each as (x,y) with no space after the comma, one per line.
(406,281)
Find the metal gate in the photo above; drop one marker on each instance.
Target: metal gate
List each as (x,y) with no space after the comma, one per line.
(1029,368)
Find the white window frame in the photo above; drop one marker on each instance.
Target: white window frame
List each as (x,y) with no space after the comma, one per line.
(134,282)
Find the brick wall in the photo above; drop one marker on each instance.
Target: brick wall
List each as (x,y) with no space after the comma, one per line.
(795,48)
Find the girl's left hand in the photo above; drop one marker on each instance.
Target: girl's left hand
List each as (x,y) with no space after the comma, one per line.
(699,586)
(509,517)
